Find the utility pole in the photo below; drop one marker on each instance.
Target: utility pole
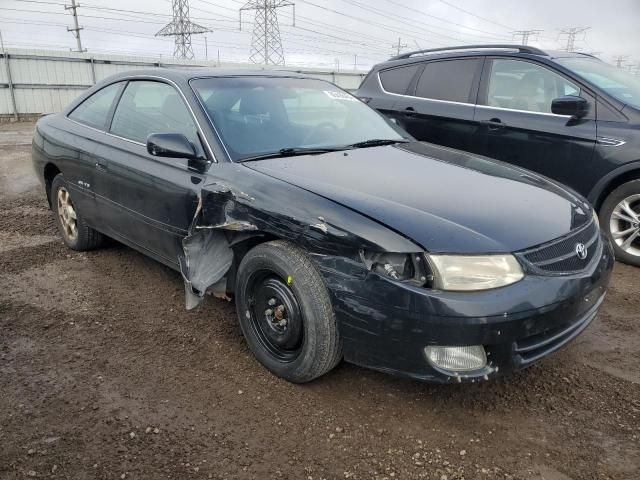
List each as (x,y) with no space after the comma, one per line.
(266,44)
(620,59)
(571,34)
(525,35)
(399,45)
(76,28)
(181,27)
(206,48)
(355,62)
(9,80)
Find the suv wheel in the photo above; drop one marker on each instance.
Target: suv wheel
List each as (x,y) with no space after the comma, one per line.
(620,219)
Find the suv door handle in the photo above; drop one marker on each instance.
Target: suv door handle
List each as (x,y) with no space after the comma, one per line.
(101,166)
(493,124)
(409,111)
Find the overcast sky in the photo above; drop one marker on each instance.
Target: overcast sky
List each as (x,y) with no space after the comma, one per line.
(329,32)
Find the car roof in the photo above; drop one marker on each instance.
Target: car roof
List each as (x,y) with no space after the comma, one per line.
(188,73)
(478,50)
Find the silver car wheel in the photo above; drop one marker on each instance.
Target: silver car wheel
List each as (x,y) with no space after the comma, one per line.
(67,214)
(625,225)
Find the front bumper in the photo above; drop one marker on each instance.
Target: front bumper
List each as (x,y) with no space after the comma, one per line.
(386,325)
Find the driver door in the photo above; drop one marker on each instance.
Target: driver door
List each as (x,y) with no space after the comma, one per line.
(516,124)
(148,201)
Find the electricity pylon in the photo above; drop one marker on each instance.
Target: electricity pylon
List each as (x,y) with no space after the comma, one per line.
(181,28)
(266,44)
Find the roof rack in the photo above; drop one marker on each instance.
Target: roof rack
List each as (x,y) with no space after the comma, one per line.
(520,48)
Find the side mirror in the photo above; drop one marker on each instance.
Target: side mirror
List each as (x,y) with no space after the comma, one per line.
(171,145)
(576,107)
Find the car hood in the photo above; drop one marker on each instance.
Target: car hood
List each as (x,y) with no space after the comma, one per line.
(445,200)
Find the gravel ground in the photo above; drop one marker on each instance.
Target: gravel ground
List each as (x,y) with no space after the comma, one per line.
(104,375)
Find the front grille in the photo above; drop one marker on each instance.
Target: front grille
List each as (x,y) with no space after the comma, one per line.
(559,256)
(533,348)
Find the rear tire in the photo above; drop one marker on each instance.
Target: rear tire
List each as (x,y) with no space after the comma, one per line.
(620,220)
(76,234)
(285,312)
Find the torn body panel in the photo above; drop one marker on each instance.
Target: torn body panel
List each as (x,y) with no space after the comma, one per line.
(226,216)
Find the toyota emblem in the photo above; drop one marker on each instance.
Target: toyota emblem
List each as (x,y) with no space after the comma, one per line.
(581,251)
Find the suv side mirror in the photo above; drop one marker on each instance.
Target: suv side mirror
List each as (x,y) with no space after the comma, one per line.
(171,145)
(576,107)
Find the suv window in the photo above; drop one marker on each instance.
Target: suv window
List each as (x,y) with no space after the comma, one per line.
(449,80)
(152,107)
(94,111)
(397,80)
(521,85)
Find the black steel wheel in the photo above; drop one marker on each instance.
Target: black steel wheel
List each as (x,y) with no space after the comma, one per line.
(285,312)
(276,318)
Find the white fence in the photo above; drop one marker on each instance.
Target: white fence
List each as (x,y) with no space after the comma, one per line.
(40,81)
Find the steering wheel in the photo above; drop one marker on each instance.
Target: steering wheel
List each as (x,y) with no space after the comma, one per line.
(326,126)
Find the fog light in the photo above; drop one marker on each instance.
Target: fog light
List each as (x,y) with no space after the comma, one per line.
(458,359)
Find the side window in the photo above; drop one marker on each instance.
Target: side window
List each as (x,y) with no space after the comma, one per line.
(95,109)
(152,107)
(521,85)
(397,80)
(449,80)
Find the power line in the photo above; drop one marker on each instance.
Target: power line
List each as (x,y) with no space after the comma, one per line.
(475,15)
(571,36)
(266,44)
(445,20)
(181,27)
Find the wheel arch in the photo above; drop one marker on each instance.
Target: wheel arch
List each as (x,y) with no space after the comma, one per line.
(49,173)
(613,180)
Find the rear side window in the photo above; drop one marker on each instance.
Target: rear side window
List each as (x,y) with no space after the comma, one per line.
(94,111)
(397,80)
(152,107)
(449,80)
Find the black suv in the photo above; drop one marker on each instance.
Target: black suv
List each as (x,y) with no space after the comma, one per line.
(569,116)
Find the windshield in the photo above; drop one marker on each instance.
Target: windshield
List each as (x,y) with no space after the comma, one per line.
(614,81)
(261,115)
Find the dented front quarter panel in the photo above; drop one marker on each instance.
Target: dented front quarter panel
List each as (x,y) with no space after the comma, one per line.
(236,203)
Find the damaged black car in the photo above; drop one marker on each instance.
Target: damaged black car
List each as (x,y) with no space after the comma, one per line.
(337,234)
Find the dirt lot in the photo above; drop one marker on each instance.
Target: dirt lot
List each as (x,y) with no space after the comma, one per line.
(103,374)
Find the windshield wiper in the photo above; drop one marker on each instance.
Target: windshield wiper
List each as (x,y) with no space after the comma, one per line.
(291,152)
(377,142)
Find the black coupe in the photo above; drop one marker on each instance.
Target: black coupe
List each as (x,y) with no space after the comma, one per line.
(338,234)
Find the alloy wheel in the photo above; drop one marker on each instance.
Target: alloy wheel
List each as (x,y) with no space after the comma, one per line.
(67,214)
(625,225)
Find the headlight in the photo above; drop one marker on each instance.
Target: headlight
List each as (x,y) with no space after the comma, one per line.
(397,266)
(474,272)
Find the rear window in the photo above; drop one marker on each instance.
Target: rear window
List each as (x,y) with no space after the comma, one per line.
(449,80)
(94,111)
(397,80)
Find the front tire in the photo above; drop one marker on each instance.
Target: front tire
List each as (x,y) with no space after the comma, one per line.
(285,312)
(620,219)
(77,235)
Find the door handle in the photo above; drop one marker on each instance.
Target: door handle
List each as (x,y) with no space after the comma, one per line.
(493,124)
(101,167)
(409,111)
